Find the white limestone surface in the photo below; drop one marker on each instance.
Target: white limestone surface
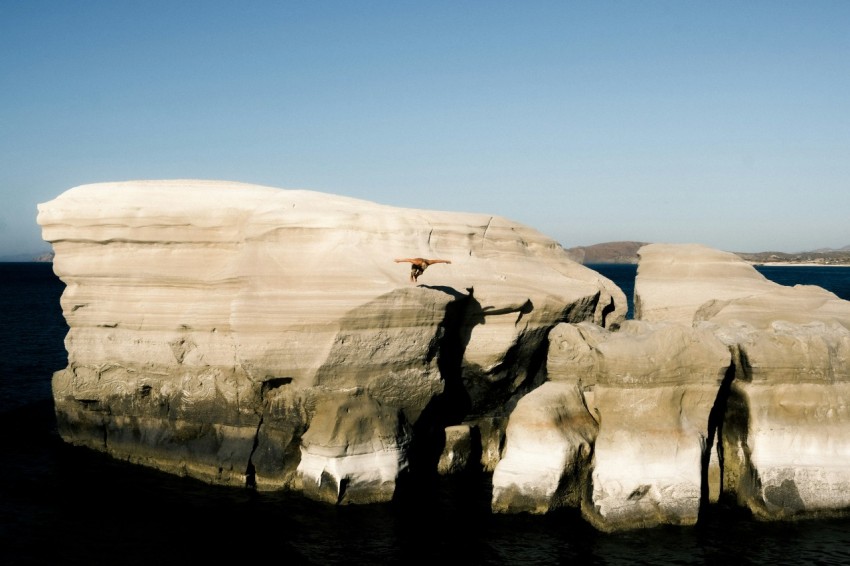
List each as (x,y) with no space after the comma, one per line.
(218,315)
(785,431)
(550,437)
(674,280)
(652,387)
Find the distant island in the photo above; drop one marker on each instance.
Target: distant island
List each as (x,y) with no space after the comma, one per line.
(626,252)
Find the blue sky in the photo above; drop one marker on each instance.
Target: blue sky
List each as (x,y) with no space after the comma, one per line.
(722,123)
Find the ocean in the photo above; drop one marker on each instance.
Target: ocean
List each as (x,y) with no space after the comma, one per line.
(65,505)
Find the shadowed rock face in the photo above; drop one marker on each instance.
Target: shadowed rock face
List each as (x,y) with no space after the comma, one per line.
(548,449)
(731,386)
(648,391)
(785,429)
(243,334)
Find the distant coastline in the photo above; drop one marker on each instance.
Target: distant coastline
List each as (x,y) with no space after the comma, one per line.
(797,264)
(626,252)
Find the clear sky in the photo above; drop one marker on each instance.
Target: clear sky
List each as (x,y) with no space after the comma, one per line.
(722,123)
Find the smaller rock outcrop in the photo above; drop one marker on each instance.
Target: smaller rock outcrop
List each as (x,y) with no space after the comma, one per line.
(675,280)
(550,436)
(657,386)
(353,450)
(786,434)
(640,400)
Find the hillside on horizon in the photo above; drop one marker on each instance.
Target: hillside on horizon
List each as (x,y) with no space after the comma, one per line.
(626,252)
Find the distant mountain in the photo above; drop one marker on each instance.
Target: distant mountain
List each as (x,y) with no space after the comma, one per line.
(626,252)
(827,257)
(608,252)
(823,250)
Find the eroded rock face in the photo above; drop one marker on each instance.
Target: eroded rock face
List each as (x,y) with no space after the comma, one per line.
(549,443)
(651,387)
(786,441)
(354,449)
(244,334)
(657,386)
(250,335)
(737,386)
(785,427)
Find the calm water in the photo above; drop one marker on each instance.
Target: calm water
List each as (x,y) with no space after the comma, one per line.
(835,279)
(65,505)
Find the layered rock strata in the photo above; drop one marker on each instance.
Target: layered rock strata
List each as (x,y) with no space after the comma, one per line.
(786,434)
(785,430)
(251,335)
(731,387)
(550,436)
(686,283)
(649,391)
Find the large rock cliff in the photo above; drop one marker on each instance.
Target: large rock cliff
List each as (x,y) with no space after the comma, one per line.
(254,336)
(251,335)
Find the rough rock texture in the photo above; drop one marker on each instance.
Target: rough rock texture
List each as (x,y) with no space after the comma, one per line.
(549,438)
(736,387)
(652,388)
(656,389)
(461,446)
(244,334)
(786,440)
(785,449)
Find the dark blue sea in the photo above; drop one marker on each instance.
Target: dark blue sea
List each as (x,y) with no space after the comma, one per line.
(65,505)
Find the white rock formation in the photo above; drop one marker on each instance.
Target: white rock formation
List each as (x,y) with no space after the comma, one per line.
(652,388)
(689,282)
(786,432)
(354,449)
(549,443)
(656,389)
(675,280)
(786,441)
(219,329)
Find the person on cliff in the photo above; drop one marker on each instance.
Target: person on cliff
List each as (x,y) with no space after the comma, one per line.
(418,265)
